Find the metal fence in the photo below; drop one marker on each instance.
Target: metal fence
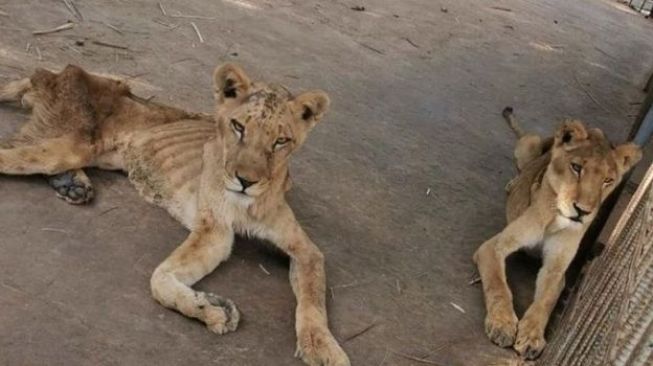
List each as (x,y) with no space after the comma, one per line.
(642,6)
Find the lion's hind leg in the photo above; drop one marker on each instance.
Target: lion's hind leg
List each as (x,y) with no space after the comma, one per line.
(23,157)
(72,186)
(49,156)
(55,139)
(528,148)
(15,90)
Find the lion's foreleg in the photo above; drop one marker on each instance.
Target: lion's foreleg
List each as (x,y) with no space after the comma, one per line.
(559,251)
(206,247)
(315,343)
(490,258)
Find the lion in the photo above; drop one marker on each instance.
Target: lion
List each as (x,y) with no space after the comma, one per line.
(218,175)
(561,183)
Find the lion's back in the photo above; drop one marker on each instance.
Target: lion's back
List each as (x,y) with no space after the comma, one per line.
(522,186)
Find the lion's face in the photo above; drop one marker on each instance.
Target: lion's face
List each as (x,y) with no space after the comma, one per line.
(585,168)
(261,125)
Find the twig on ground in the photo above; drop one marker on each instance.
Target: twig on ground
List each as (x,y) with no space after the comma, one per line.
(38,53)
(501,8)
(587,92)
(384,357)
(263,269)
(163,10)
(108,210)
(398,284)
(474,280)
(360,332)
(73,49)
(110,45)
(4,14)
(603,52)
(353,284)
(73,9)
(60,28)
(54,230)
(411,42)
(371,48)
(28,47)
(416,359)
(457,307)
(179,15)
(171,26)
(199,35)
(113,27)
(347,285)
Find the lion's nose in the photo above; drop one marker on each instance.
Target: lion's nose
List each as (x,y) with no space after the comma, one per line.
(244,182)
(580,211)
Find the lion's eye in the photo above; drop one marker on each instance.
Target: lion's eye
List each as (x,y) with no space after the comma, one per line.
(576,168)
(237,127)
(608,181)
(280,142)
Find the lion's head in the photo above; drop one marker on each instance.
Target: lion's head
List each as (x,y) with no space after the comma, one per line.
(262,125)
(585,168)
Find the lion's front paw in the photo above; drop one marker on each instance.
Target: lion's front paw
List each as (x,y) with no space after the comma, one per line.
(530,339)
(317,347)
(501,327)
(220,315)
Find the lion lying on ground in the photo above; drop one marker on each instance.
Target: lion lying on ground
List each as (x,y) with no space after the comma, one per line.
(218,176)
(561,184)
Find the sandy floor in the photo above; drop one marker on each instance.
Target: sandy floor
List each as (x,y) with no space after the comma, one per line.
(399,185)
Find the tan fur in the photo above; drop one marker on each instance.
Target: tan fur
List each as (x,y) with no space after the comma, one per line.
(218,176)
(544,216)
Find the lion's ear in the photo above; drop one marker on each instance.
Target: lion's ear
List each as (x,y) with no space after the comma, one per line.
(230,82)
(311,106)
(570,133)
(627,155)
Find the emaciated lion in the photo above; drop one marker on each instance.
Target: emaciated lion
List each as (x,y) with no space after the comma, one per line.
(218,176)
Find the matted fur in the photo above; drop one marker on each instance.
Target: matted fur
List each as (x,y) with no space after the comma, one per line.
(217,175)
(561,184)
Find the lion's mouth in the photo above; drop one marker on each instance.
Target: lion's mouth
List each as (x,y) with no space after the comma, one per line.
(238,192)
(576,219)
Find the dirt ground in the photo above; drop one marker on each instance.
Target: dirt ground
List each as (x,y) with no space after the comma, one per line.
(398,186)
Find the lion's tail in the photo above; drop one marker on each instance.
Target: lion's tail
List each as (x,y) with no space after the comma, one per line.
(512,122)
